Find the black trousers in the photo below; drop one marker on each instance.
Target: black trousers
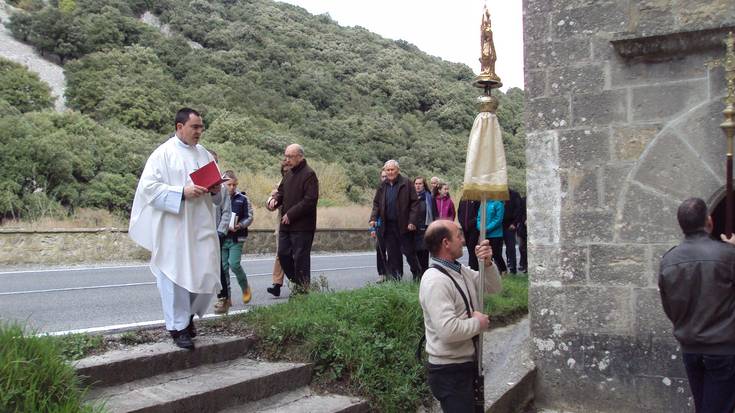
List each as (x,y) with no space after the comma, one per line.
(523,248)
(224,276)
(712,381)
(497,246)
(380,256)
(470,241)
(451,384)
(396,245)
(509,238)
(294,253)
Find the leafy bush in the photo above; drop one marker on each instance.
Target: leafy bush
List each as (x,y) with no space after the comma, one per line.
(34,377)
(22,89)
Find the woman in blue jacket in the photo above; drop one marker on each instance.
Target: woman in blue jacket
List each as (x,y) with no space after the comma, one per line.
(494,231)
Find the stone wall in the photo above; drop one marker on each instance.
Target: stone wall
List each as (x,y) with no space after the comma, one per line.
(622,122)
(65,247)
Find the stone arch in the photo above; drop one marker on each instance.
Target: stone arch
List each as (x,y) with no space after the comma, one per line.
(686,158)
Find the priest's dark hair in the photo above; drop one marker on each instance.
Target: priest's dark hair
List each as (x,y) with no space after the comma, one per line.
(692,215)
(183,115)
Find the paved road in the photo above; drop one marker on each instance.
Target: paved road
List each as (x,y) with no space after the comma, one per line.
(95,297)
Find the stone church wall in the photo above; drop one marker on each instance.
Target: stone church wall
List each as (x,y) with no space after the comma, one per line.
(622,122)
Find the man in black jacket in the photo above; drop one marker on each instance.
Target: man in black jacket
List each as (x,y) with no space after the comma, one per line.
(511,215)
(697,285)
(467,217)
(297,197)
(397,205)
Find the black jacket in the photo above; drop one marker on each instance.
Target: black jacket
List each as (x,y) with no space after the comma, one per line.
(297,196)
(512,210)
(467,215)
(697,285)
(407,204)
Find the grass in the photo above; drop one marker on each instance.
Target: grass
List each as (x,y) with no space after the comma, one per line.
(365,340)
(34,375)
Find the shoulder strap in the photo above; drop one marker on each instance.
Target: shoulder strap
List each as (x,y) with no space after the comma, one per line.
(464,297)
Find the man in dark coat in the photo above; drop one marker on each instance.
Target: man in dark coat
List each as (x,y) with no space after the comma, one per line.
(397,205)
(467,217)
(511,220)
(696,281)
(297,197)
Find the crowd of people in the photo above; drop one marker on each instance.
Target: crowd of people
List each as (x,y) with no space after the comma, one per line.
(402,212)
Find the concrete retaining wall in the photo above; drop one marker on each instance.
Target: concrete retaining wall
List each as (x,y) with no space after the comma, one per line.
(76,246)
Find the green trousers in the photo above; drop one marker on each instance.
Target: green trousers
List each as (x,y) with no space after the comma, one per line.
(231,254)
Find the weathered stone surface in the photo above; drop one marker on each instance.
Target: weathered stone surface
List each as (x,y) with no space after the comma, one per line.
(661,102)
(700,129)
(544,188)
(572,51)
(651,320)
(546,303)
(586,226)
(591,18)
(717,82)
(584,147)
(636,72)
(547,113)
(585,79)
(581,188)
(599,108)
(551,264)
(671,167)
(647,217)
(535,84)
(714,13)
(603,51)
(672,394)
(612,264)
(630,141)
(613,179)
(537,27)
(602,310)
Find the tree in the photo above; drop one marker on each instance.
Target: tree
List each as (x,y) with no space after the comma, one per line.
(22,89)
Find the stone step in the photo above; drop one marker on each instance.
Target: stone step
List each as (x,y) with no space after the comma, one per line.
(148,360)
(303,400)
(206,388)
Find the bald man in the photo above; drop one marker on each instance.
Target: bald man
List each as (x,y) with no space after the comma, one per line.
(297,196)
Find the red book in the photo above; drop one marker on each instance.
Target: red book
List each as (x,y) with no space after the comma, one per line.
(207,176)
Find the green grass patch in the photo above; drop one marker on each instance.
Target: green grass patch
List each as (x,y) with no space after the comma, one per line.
(366,339)
(35,376)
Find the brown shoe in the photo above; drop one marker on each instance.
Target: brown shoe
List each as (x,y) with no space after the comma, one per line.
(222,306)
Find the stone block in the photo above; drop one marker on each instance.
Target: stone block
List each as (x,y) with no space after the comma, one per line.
(612,264)
(546,307)
(630,141)
(536,27)
(672,394)
(700,129)
(654,17)
(585,79)
(651,321)
(671,167)
(547,113)
(601,310)
(603,50)
(647,217)
(611,17)
(634,72)
(572,51)
(705,14)
(580,148)
(614,177)
(582,188)
(663,102)
(601,109)
(558,265)
(535,84)
(586,226)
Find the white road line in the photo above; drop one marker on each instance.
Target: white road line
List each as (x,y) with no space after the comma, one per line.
(93,287)
(130,326)
(113,267)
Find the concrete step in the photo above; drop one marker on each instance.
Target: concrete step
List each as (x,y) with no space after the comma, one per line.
(509,368)
(121,366)
(303,400)
(206,388)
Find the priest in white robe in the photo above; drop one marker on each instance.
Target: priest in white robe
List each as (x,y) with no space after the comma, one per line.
(174,219)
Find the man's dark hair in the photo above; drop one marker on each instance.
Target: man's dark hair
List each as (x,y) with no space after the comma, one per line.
(182,116)
(434,236)
(692,215)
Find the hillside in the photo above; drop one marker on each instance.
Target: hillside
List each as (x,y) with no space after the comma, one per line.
(268,74)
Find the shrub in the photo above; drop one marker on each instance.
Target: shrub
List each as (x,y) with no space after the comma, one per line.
(22,89)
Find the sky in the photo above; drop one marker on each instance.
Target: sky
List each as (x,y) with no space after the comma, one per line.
(449,29)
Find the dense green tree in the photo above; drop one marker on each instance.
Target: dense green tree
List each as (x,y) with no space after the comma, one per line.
(22,89)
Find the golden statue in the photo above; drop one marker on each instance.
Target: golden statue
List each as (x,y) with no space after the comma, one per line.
(487,56)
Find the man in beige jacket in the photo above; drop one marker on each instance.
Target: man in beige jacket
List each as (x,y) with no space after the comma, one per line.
(449,329)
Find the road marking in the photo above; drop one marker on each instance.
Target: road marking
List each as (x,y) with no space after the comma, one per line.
(130,326)
(93,287)
(113,267)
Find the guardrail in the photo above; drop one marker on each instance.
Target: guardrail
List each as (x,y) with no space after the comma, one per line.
(99,245)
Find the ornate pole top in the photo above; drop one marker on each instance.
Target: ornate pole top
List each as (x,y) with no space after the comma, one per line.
(487,79)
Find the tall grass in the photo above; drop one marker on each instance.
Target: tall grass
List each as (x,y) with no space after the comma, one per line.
(34,376)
